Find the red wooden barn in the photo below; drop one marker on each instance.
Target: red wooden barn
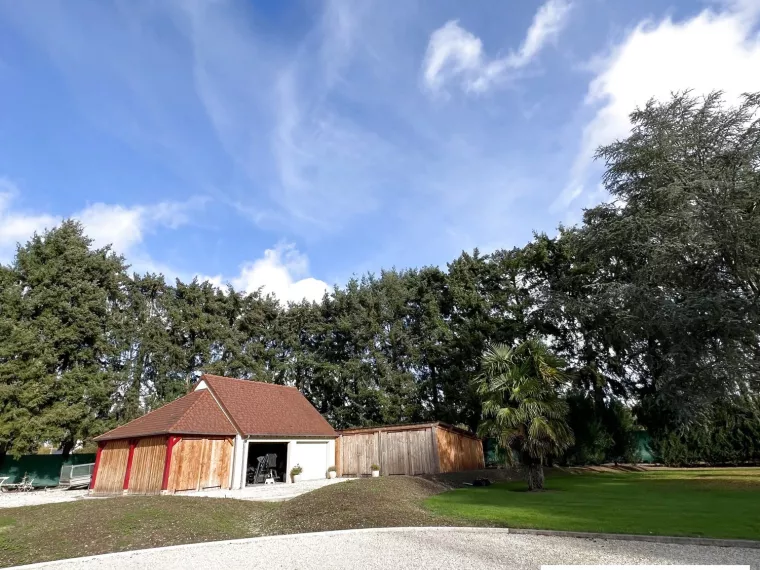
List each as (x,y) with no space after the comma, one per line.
(213,437)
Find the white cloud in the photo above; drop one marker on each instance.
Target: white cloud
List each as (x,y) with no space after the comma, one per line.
(710,51)
(547,24)
(122,227)
(282,272)
(454,53)
(125,227)
(17,226)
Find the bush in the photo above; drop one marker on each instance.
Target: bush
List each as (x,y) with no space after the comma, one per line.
(605,432)
(728,435)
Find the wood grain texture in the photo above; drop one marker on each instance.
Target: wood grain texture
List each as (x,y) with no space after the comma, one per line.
(360,451)
(398,452)
(148,466)
(457,452)
(112,468)
(200,463)
(339,456)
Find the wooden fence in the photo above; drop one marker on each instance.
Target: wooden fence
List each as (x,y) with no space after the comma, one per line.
(407,450)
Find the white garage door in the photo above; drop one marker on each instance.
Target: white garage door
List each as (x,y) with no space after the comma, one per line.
(312,456)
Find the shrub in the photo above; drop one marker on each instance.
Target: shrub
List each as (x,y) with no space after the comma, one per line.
(375,467)
(296,470)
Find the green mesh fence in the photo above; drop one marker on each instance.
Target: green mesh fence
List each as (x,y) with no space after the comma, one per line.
(44,469)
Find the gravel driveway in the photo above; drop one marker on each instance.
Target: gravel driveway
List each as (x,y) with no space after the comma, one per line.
(276,492)
(457,549)
(41,497)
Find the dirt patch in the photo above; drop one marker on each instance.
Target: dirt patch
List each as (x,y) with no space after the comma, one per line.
(362,503)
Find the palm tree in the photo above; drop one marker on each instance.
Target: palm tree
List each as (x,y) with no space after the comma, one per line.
(521,405)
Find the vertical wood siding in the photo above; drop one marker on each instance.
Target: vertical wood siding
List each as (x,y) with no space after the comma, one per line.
(398,452)
(200,463)
(457,452)
(215,470)
(339,457)
(112,468)
(148,466)
(360,451)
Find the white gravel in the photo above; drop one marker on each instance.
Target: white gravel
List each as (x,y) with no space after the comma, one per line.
(440,549)
(42,497)
(276,492)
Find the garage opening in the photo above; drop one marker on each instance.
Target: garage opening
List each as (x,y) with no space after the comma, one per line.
(266,461)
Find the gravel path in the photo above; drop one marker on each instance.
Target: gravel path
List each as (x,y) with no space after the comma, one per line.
(42,497)
(456,549)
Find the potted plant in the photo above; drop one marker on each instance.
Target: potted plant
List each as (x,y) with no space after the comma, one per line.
(295,473)
(332,473)
(375,470)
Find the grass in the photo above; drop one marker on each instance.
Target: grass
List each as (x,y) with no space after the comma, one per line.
(87,527)
(717,503)
(81,528)
(720,503)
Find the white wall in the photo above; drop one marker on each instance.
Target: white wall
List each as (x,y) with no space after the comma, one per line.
(312,456)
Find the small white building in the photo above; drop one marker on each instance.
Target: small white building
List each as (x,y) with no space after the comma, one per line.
(227,433)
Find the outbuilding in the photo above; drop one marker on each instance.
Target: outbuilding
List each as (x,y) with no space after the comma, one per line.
(216,437)
(411,449)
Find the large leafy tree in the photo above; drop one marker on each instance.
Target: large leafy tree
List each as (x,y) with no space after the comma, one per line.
(676,254)
(522,407)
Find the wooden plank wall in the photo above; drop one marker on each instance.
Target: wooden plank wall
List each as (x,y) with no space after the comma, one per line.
(458,452)
(339,456)
(360,451)
(400,452)
(112,468)
(200,463)
(215,470)
(148,466)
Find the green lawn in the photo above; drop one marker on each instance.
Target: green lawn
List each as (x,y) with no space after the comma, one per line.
(719,503)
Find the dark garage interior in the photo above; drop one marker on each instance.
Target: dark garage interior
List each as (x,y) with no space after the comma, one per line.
(264,460)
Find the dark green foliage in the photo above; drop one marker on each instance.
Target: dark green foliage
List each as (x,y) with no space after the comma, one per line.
(522,408)
(605,432)
(729,435)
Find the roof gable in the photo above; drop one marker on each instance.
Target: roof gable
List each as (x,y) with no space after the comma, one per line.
(195,414)
(263,409)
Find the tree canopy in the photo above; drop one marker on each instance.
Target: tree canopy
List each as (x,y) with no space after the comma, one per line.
(652,301)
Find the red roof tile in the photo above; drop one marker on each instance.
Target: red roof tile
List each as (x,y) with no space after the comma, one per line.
(262,409)
(194,414)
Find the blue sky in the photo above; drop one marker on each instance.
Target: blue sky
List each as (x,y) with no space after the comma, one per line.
(291,145)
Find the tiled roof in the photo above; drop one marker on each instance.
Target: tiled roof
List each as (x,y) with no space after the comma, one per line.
(262,409)
(194,414)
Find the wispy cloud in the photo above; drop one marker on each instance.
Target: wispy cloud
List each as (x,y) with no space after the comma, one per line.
(710,51)
(457,55)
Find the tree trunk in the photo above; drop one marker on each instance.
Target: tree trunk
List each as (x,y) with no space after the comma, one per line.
(535,477)
(66,449)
